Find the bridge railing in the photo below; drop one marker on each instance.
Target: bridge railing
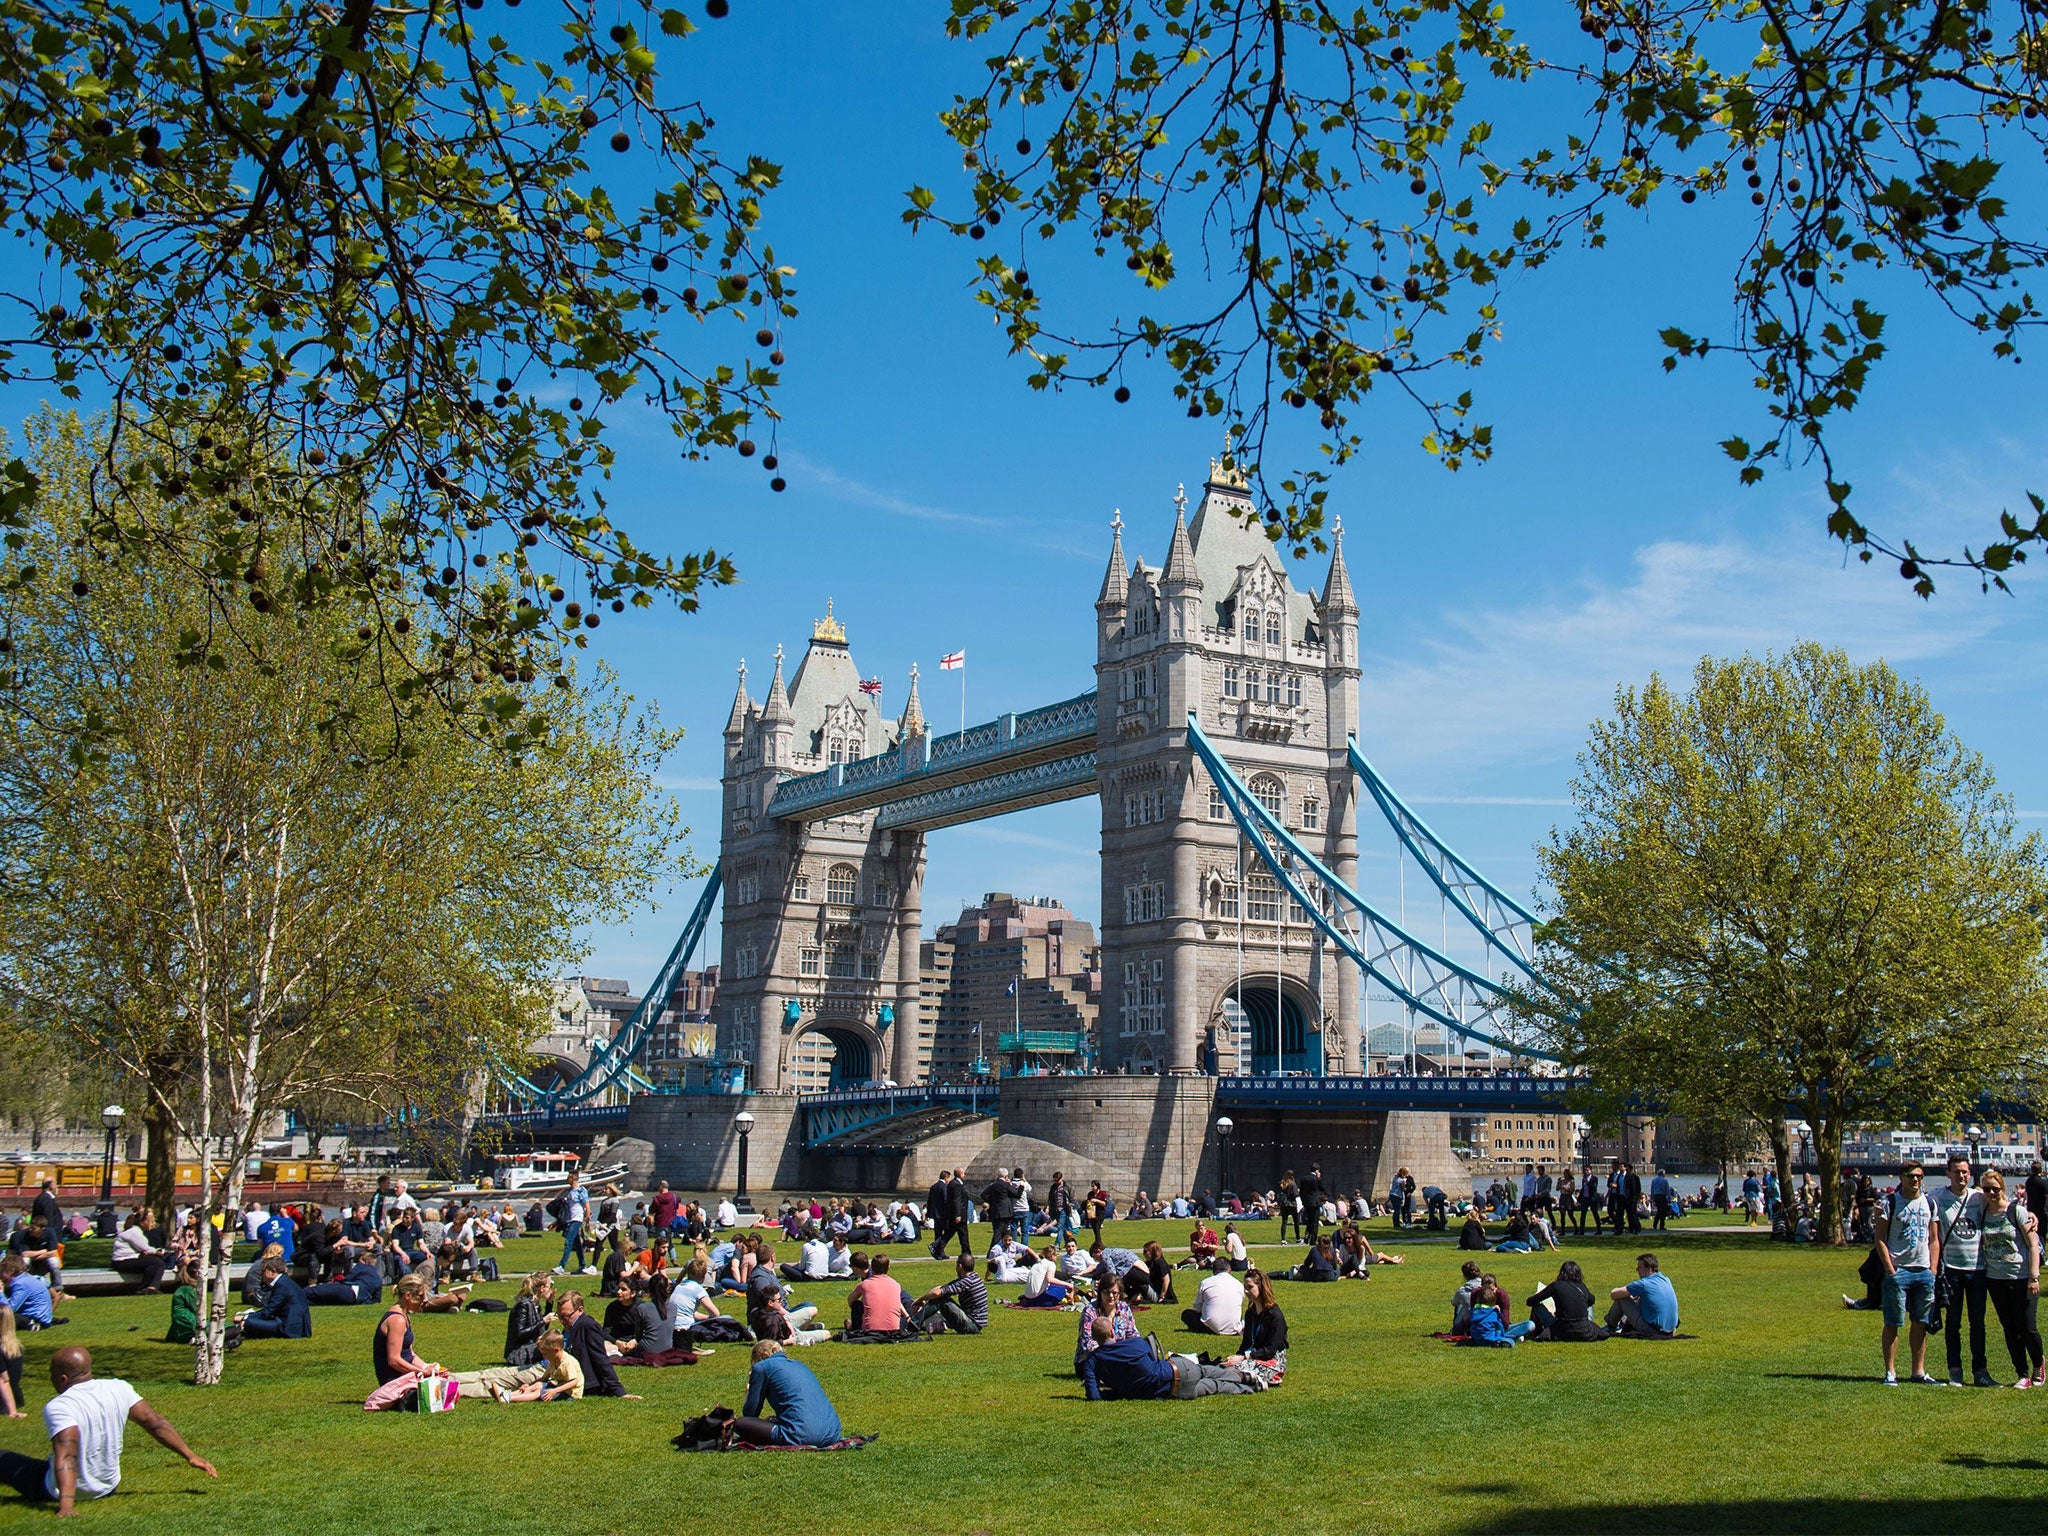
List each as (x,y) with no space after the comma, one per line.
(1069,720)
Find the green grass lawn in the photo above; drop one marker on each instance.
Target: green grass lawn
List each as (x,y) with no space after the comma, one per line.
(1771,1420)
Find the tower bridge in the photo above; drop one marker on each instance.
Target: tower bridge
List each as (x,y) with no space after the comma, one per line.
(1220,741)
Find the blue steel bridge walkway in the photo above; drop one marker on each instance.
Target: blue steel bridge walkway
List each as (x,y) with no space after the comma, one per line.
(1010,763)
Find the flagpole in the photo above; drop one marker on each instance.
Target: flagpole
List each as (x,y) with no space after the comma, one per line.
(963,701)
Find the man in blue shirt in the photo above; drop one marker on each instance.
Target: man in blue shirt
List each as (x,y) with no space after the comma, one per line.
(803,1414)
(280,1230)
(575,1211)
(27,1294)
(1661,1198)
(1647,1307)
(1120,1368)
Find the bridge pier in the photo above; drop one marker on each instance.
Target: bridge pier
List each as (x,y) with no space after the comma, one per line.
(910,856)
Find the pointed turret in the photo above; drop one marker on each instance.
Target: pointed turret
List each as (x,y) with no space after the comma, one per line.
(1337,594)
(1180,574)
(911,722)
(776,710)
(1116,581)
(742,706)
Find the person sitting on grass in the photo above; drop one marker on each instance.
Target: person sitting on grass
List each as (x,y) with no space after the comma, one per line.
(1151,1280)
(879,1303)
(1517,1238)
(1107,1304)
(1563,1310)
(690,1302)
(85,1422)
(1262,1348)
(1319,1263)
(653,1338)
(1461,1298)
(1234,1250)
(582,1338)
(1202,1245)
(960,1305)
(1489,1327)
(185,1306)
(284,1314)
(1132,1368)
(1219,1302)
(563,1382)
(40,1247)
(792,1393)
(1647,1307)
(1042,1285)
(12,1400)
(1472,1236)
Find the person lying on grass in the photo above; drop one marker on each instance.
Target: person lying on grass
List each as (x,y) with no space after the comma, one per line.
(563,1382)
(1132,1368)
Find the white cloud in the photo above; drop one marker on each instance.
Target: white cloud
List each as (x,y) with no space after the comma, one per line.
(1032,532)
(1502,687)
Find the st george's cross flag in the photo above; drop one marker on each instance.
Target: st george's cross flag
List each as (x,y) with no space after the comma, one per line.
(871,686)
(953,661)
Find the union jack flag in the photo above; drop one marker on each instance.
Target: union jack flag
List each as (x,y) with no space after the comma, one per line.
(871,686)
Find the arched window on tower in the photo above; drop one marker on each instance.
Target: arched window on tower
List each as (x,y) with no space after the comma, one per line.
(842,885)
(1272,794)
(1251,623)
(1272,626)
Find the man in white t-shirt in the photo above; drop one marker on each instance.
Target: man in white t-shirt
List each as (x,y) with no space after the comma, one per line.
(1219,1302)
(728,1214)
(85,1421)
(1909,1248)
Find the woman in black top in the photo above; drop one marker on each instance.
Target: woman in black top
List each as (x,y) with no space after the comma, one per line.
(527,1319)
(1264,1351)
(1157,1277)
(616,1260)
(1563,1309)
(1472,1238)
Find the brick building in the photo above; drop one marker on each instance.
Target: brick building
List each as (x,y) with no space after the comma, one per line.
(968,968)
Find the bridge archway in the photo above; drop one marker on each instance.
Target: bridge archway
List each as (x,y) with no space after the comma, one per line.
(1286,1032)
(833,1055)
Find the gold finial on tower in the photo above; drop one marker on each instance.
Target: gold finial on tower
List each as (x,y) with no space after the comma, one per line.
(1226,470)
(829,628)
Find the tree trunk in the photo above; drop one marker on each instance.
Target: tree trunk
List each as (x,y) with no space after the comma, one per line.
(216,1281)
(161,1194)
(1827,1149)
(1781,1154)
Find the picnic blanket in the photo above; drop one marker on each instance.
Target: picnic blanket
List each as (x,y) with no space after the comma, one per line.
(882,1336)
(847,1443)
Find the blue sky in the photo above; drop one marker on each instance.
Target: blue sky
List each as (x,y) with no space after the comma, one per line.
(941,503)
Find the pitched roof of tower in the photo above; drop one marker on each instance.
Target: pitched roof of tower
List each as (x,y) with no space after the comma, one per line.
(827,677)
(1115,580)
(1180,555)
(1337,594)
(776,711)
(742,706)
(911,722)
(1227,535)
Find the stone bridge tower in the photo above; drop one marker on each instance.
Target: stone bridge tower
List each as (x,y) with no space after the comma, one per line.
(1207,966)
(818,980)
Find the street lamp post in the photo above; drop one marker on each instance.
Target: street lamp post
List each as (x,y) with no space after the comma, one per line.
(1224,1126)
(743,1122)
(103,1218)
(1976,1135)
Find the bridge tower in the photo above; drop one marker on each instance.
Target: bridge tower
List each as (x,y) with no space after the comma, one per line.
(1206,966)
(818,981)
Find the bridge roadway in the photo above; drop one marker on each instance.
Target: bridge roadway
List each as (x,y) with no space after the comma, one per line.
(1011,763)
(847,1116)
